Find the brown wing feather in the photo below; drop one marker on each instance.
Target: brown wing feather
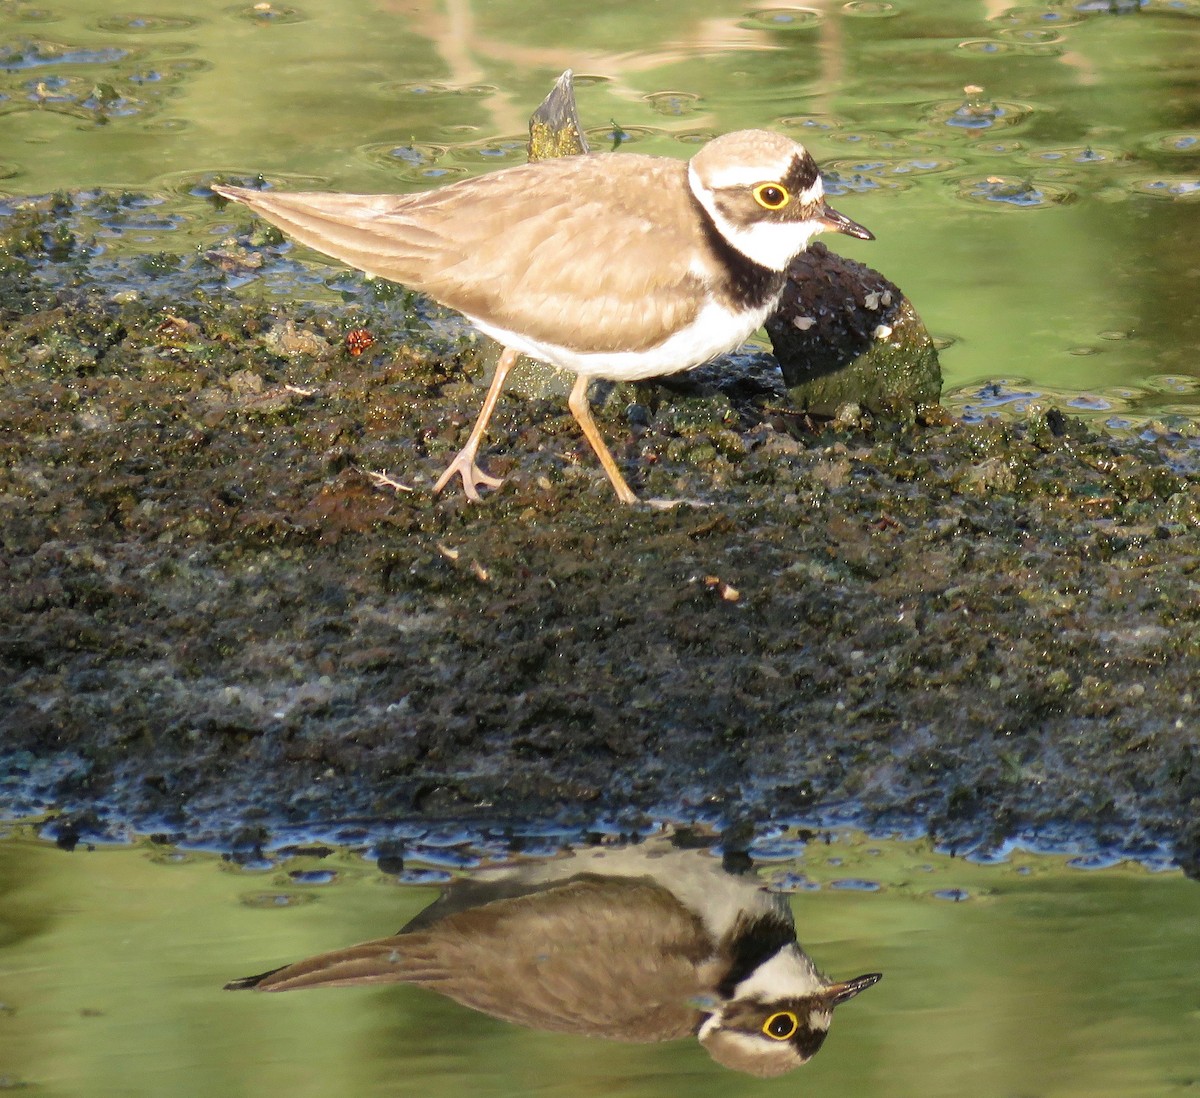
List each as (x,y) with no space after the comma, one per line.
(607,957)
(563,245)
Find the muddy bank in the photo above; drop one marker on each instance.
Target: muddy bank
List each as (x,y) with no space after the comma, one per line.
(212,619)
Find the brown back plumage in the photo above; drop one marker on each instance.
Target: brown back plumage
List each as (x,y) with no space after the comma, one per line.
(572,245)
(532,960)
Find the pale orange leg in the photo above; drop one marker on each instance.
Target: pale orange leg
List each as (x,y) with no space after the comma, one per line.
(581,410)
(464,461)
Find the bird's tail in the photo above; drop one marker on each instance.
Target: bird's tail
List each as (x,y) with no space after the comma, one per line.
(368,231)
(382,961)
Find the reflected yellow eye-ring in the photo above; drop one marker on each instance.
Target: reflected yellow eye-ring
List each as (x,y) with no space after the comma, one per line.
(781,1025)
(771,196)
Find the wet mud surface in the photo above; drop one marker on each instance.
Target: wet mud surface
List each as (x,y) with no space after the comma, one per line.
(214,624)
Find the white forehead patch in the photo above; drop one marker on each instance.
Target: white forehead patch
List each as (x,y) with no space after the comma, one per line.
(746,175)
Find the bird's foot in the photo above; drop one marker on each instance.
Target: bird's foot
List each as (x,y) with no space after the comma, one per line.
(472,476)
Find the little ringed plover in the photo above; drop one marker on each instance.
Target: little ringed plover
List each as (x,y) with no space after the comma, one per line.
(635,944)
(620,266)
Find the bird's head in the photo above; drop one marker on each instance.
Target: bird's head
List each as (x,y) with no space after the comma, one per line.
(768,1038)
(764,195)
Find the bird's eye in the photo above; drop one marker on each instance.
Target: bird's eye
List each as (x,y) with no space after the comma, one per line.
(771,196)
(781,1025)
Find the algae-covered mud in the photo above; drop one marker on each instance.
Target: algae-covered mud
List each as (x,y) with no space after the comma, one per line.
(216,622)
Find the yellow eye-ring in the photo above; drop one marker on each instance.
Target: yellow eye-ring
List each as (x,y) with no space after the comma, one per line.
(781,1025)
(771,196)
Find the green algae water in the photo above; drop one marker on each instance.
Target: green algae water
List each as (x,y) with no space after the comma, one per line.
(1020,978)
(1031,172)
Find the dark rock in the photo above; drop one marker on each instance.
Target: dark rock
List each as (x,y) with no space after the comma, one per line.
(845,335)
(554,128)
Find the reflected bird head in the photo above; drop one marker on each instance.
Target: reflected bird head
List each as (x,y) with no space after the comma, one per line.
(771,1037)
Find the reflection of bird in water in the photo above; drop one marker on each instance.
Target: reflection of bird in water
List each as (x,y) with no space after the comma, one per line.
(643,943)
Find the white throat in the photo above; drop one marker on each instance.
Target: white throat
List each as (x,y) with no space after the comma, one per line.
(771,244)
(787,975)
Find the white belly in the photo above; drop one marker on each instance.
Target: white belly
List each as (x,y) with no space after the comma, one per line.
(714,331)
